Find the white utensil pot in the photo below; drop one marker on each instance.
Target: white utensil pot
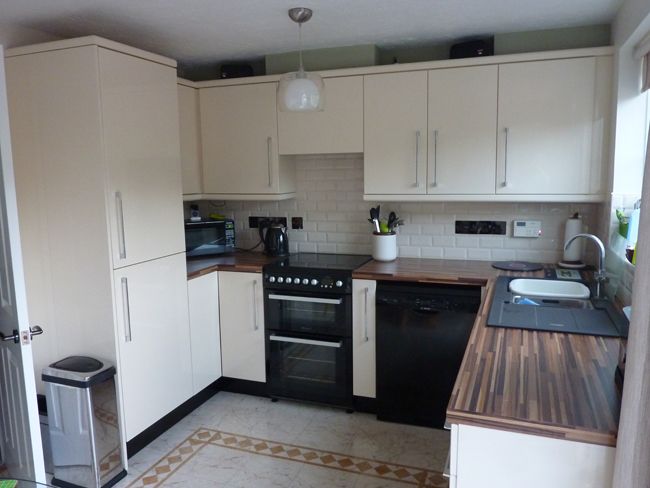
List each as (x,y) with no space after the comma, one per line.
(384,246)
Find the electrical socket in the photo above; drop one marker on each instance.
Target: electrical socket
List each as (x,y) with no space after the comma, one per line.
(254,222)
(296,223)
(497,227)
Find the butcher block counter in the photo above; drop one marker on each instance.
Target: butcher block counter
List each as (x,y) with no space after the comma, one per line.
(549,384)
(247,262)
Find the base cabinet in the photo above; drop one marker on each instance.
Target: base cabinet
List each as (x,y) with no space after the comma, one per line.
(490,458)
(241,304)
(205,337)
(363,338)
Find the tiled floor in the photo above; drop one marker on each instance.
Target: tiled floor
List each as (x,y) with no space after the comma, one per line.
(244,441)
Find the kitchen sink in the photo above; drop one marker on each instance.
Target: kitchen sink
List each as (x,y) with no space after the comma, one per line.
(552,302)
(549,288)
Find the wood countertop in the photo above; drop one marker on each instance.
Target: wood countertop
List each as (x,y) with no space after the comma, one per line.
(542,383)
(247,262)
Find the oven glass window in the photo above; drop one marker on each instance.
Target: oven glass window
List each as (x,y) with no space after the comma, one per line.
(307,314)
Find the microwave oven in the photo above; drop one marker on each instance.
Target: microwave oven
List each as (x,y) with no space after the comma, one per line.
(206,238)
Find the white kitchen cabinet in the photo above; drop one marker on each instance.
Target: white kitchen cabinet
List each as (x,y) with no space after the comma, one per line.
(338,128)
(462,130)
(141,148)
(241,304)
(190,138)
(363,338)
(546,126)
(153,337)
(239,134)
(205,336)
(395,133)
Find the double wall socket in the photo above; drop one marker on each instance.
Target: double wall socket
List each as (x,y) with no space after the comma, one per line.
(254,222)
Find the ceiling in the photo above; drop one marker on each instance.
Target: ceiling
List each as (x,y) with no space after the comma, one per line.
(197,32)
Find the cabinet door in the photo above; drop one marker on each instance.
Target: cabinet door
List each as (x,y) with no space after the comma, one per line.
(337,129)
(242,325)
(239,138)
(203,296)
(190,139)
(139,103)
(462,130)
(546,118)
(153,339)
(363,338)
(395,133)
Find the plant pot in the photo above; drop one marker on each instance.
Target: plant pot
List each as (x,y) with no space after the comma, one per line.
(384,246)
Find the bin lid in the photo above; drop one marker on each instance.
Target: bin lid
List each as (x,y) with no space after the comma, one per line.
(79,371)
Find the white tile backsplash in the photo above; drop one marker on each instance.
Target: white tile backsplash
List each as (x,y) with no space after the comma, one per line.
(329,197)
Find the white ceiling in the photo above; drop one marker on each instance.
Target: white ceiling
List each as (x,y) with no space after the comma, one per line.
(205,31)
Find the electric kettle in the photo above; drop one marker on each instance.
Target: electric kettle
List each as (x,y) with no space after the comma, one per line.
(275,239)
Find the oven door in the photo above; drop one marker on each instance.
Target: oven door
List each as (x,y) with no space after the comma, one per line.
(308,313)
(314,368)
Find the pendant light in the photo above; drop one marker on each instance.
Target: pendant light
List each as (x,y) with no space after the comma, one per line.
(300,91)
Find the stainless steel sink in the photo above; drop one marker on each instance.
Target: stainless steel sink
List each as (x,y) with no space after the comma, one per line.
(552,302)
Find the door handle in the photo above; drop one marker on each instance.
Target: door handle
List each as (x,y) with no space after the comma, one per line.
(434,183)
(417,157)
(15,337)
(269,157)
(311,342)
(365,315)
(120,224)
(255,325)
(506,130)
(290,298)
(34,331)
(126,310)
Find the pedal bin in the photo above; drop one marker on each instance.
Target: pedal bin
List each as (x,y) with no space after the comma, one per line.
(83,423)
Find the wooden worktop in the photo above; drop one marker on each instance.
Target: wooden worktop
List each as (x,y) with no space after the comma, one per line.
(248,262)
(543,383)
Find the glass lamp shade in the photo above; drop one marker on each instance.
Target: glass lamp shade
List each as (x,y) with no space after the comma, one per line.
(301,92)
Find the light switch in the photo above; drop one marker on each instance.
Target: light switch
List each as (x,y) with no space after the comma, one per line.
(526,228)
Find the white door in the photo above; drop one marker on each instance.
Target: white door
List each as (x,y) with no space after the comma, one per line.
(20,442)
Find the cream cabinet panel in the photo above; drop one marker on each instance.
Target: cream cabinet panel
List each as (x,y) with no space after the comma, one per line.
(546,119)
(239,134)
(462,130)
(363,338)
(153,339)
(190,139)
(141,142)
(203,298)
(337,129)
(241,304)
(395,133)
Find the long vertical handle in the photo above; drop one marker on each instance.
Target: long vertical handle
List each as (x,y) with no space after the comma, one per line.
(120,224)
(126,309)
(269,157)
(505,158)
(434,183)
(365,315)
(255,324)
(417,157)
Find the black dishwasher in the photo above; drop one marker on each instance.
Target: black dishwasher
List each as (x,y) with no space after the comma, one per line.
(422,332)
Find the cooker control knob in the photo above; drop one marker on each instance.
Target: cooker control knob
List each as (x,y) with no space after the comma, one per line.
(288,280)
(339,284)
(305,281)
(280,279)
(296,281)
(271,279)
(314,282)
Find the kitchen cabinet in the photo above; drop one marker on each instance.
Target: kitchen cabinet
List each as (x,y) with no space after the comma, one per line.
(395,133)
(241,303)
(363,338)
(336,129)
(462,130)
(205,336)
(190,138)
(478,454)
(96,145)
(152,329)
(547,124)
(239,134)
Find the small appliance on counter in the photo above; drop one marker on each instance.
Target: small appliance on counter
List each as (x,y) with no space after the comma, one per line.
(209,237)
(275,239)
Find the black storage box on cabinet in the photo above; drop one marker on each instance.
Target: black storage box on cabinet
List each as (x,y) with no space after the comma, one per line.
(472,49)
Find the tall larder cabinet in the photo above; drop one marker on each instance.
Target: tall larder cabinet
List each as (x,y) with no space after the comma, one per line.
(95,138)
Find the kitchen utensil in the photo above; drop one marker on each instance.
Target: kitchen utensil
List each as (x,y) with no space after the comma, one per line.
(374,217)
(392,220)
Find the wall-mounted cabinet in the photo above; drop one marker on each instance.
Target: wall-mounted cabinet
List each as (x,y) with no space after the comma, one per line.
(338,128)
(190,138)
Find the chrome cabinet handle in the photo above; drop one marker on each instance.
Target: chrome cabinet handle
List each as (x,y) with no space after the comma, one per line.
(15,337)
(417,157)
(365,315)
(255,325)
(505,159)
(311,342)
(126,310)
(290,298)
(120,224)
(269,157)
(34,331)
(434,183)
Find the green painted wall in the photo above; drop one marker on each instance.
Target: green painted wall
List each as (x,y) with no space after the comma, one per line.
(321,59)
(549,40)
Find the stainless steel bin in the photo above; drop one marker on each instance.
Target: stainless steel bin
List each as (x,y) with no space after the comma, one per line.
(83,423)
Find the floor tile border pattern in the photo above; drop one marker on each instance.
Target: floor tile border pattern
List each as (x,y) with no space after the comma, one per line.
(200,438)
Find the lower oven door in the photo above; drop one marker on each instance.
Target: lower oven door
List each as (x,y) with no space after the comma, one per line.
(313,368)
